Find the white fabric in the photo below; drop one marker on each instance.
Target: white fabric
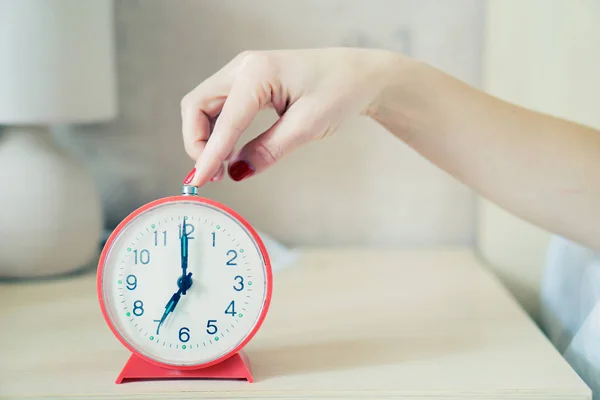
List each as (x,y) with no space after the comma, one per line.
(570,307)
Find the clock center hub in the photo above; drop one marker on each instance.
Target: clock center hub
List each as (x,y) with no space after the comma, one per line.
(184,282)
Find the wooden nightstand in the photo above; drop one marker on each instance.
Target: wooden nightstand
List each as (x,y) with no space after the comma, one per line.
(344,323)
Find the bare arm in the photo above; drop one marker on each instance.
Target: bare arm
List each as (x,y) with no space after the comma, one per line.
(544,169)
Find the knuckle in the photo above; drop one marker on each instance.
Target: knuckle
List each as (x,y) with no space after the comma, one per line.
(267,156)
(255,62)
(186,102)
(190,149)
(244,55)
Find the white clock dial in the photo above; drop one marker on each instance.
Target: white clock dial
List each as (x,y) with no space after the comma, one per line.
(221,307)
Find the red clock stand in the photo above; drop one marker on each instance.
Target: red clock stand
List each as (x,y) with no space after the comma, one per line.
(234,367)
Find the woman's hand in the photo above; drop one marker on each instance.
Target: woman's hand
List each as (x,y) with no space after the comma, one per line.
(541,168)
(312,91)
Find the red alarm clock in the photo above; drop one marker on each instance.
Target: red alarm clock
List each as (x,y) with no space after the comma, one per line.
(184,283)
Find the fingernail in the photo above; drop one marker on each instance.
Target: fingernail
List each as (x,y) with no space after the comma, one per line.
(189,176)
(240,170)
(217,177)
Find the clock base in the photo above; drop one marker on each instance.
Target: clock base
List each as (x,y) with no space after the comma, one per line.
(235,367)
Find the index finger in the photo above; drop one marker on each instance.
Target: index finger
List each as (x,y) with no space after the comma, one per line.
(241,106)
(198,108)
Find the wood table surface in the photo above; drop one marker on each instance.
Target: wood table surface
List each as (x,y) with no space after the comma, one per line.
(344,323)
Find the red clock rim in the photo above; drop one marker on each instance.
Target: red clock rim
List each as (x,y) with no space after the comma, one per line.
(250,229)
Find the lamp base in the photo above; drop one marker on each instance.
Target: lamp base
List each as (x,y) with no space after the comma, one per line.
(50,210)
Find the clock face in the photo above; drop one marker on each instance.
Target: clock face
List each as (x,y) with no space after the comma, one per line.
(184,300)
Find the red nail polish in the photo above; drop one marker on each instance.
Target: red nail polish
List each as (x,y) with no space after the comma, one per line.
(189,176)
(240,170)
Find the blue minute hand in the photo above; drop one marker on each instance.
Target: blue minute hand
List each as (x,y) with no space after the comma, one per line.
(184,253)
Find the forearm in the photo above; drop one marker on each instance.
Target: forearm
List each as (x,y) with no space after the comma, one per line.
(541,168)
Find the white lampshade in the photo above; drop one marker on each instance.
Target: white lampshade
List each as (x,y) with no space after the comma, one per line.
(56,61)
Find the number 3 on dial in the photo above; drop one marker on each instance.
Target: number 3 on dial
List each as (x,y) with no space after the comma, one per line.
(240,284)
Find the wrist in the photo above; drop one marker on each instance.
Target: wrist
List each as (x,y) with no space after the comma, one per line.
(404,94)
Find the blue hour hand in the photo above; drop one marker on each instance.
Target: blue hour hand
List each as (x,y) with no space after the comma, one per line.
(183,284)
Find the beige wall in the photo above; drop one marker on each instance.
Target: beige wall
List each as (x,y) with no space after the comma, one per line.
(359,187)
(544,55)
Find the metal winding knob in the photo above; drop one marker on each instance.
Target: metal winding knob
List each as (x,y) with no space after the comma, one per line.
(188,190)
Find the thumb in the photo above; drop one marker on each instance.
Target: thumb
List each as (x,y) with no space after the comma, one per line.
(288,133)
